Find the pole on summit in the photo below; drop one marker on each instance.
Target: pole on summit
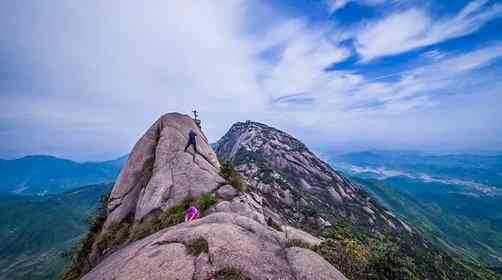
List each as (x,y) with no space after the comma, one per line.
(195,118)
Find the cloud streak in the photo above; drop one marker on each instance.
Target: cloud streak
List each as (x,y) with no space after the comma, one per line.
(414,28)
(335,5)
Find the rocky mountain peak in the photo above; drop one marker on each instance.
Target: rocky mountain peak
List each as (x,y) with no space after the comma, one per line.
(141,234)
(253,136)
(294,180)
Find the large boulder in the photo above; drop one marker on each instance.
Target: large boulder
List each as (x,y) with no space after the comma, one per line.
(307,265)
(227,192)
(231,243)
(159,174)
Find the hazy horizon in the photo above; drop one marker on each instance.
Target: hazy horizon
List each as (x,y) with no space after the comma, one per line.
(84,80)
(323,154)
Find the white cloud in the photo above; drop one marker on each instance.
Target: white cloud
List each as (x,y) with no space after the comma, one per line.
(104,71)
(418,86)
(334,5)
(414,28)
(111,68)
(304,56)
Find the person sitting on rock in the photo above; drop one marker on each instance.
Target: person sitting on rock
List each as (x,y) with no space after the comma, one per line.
(191,141)
(191,214)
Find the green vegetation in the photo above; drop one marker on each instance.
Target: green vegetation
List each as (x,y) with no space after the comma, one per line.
(197,246)
(230,273)
(227,171)
(244,157)
(204,202)
(80,263)
(117,235)
(36,231)
(463,225)
(172,216)
(457,210)
(120,234)
(377,258)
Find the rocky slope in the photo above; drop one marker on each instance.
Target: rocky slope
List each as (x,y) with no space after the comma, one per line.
(141,234)
(236,245)
(363,239)
(302,189)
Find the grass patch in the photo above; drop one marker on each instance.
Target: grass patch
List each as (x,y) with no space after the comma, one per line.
(117,235)
(173,215)
(227,171)
(124,233)
(170,217)
(230,273)
(197,246)
(204,202)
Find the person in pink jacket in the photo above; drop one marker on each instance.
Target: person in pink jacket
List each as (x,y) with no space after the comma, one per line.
(191,214)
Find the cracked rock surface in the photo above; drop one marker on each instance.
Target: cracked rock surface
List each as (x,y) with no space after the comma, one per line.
(234,241)
(294,183)
(159,174)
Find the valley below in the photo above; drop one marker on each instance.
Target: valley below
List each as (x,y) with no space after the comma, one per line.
(454,200)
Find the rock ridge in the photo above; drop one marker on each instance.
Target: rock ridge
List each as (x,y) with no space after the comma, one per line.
(233,237)
(296,184)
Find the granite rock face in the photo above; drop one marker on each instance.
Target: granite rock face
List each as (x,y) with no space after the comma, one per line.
(227,192)
(159,174)
(234,231)
(233,242)
(295,184)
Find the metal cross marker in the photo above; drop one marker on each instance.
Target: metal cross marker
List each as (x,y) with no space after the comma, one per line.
(195,114)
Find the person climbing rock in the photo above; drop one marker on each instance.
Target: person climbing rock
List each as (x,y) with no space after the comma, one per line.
(191,141)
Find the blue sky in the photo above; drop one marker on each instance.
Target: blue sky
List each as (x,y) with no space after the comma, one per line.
(85,80)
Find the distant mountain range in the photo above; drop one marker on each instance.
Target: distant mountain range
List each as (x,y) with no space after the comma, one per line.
(42,174)
(454,200)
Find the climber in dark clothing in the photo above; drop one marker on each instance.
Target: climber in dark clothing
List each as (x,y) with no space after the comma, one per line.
(191,141)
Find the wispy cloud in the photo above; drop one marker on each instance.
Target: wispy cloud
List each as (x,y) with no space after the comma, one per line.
(334,5)
(419,86)
(406,30)
(301,63)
